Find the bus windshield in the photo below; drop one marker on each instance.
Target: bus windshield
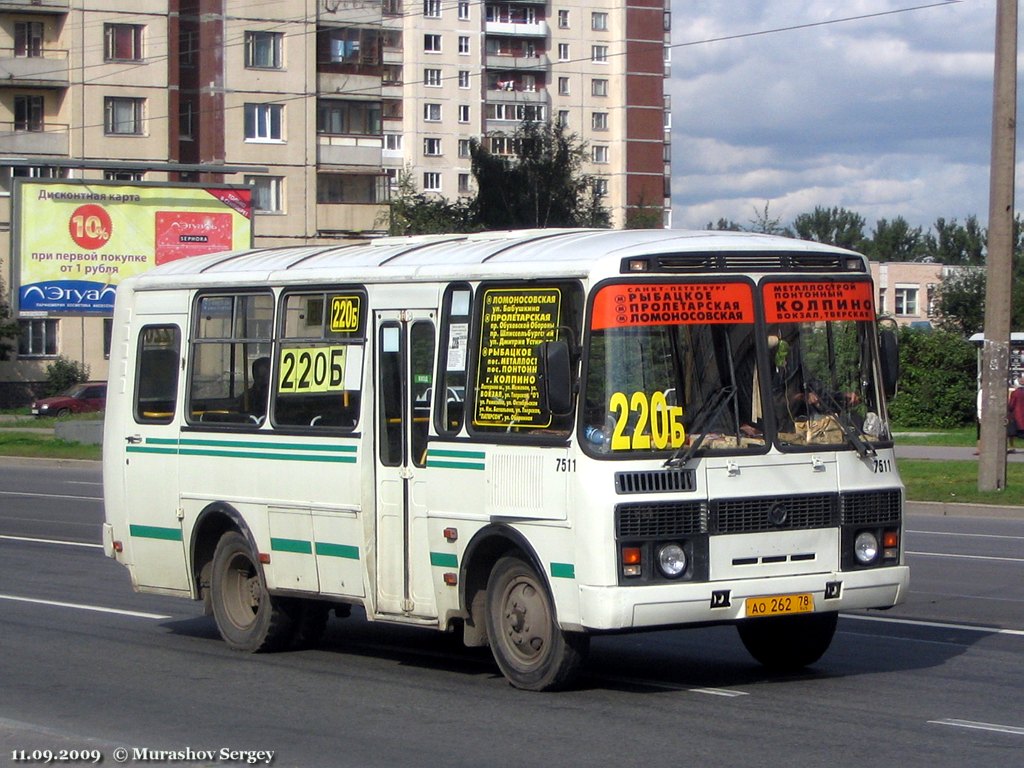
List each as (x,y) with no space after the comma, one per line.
(683,368)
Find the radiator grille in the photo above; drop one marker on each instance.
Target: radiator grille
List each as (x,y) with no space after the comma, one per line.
(871,507)
(636,521)
(655,481)
(773,513)
(753,261)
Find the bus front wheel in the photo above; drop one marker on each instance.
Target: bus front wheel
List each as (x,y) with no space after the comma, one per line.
(788,643)
(248,617)
(529,647)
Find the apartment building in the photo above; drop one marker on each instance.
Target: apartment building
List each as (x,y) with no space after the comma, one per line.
(319,106)
(908,291)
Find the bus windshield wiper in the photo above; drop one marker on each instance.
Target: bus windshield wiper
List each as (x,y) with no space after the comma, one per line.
(846,425)
(706,414)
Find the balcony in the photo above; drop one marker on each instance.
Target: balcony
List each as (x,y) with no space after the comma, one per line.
(535,63)
(517,96)
(50,70)
(35,6)
(517,29)
(336,218)
(355,153)
(51,141)
(368,86)
(340,12)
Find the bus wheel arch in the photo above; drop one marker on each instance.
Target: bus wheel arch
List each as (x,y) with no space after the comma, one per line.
(212,523)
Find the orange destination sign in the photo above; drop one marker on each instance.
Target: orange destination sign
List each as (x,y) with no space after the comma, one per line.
(638,304)
(818,301)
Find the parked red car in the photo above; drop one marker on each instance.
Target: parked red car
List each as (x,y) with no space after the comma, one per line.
(80,398)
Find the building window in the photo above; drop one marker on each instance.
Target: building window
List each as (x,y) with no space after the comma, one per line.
(599,121)
(9,173)
(28,113)
(123,116)
(563,86)
(350,189)
(598,87)
(432,78)
(463,183)
(122,42)
(432,147)
(124,175)
(38,338)
(463,113)
(601,187)
(463,78)
(463,45)
(186,120)
(266,193)
(432,43)
(431,181)
(351,47)
(432,9)
(463,10)
(599,21)
(263,122)
(188,48)
(563,118)
(463,147)
(599,54)
(392,142)
(599,154)
(28,39)
(563,51)
(563,19)
(339,117)
(907,299)
(432,113)
(263,50)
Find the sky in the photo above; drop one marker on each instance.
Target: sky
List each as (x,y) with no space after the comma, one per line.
(886,115)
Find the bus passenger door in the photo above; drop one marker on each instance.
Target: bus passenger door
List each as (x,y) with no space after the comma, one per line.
(149,440)
(405,342)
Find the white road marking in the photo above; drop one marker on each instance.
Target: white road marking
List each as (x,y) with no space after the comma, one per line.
(83,607)
(968,535)
(50,496)
(1016,730)
(969,557)
(52,541)
(937,625)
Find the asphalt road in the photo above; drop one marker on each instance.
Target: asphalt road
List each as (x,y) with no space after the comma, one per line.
(87,664)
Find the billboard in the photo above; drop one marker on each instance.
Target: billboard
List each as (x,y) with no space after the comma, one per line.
(75,241)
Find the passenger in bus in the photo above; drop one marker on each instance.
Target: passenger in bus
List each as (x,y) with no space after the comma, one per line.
(255,400)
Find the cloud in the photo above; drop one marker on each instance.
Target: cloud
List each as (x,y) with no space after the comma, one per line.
(887,115)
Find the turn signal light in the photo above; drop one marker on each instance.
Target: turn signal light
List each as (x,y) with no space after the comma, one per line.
(631,561)
(891,539)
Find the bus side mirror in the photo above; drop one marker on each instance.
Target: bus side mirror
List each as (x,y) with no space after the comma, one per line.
(556,376)
(889,348)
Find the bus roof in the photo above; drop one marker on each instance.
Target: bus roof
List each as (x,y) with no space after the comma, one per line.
(596,253)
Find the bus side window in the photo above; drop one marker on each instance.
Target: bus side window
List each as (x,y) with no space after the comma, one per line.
(156,374)
(450,402)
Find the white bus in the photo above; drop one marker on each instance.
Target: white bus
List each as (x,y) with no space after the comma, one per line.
(529,437)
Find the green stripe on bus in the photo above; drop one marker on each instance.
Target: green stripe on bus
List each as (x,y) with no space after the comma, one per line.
(276,456)
(446,458)
(444,560)
(563,571)
(155,532)
(298,546)
(338,454)
(337,550)
(267,445)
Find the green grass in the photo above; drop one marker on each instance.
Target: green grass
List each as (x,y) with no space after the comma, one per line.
(29,444)
(957,482)
(961,436)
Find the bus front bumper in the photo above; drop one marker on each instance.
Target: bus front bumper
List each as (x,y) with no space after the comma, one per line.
(665,605)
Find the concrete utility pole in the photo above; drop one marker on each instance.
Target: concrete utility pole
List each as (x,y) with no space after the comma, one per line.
(996,348)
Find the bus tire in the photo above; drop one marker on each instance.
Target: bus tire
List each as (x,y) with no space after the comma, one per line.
(248,617)
(788,643)
(529,647)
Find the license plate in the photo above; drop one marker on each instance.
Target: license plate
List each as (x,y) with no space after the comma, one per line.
(35,411)
(780,605)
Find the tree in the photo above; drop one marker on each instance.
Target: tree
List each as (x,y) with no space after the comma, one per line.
(961,302)
(764,223)
(896,240)
(724,225)
(540,185)
(955,243)
(10,330)
(411,212)
(834,226)
(937,380)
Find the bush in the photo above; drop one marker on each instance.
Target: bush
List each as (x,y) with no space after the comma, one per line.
(938,381)
(63,373)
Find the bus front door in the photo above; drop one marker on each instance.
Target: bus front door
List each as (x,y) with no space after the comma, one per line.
(405,342)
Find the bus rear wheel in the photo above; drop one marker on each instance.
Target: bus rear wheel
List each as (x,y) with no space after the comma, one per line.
(529,647)
(788,643)
(248,617)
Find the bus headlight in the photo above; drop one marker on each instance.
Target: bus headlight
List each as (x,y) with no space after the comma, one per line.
(672,560)
(865,547)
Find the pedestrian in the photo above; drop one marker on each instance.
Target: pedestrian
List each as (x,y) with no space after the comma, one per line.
(1015,414)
